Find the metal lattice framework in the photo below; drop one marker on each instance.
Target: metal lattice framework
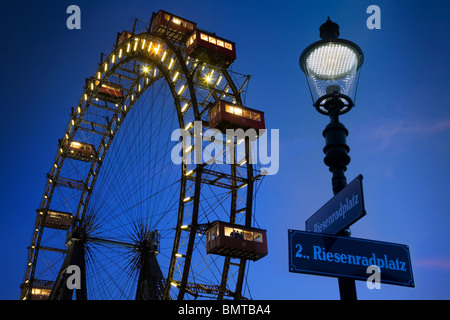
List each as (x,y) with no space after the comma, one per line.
(79,222)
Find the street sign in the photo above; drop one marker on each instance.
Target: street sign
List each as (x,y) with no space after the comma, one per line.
(327,255)
(340,212)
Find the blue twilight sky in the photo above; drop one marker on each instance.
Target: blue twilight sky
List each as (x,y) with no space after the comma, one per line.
(399,130)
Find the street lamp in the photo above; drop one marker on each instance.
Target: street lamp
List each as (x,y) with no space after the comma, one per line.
(332,66)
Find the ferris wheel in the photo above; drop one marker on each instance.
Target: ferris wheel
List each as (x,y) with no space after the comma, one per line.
(119,219)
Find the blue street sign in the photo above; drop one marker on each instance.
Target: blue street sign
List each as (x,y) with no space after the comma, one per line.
(340,212)
(327,255)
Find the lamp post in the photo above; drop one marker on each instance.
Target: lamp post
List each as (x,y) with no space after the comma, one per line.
(332,66)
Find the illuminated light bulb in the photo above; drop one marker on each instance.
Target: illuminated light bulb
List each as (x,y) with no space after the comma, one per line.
(157,48)
(331,61)
(175,76)
(180,91)
(171,63)
(242,162)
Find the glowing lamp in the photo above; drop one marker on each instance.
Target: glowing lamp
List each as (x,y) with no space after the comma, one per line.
(332,66)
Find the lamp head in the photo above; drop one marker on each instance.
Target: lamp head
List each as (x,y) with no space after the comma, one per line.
(332,66)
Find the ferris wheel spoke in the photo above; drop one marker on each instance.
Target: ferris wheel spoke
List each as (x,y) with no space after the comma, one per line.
(107,272)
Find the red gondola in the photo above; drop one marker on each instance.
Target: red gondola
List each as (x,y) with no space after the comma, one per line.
(225,115)
(236,241)
(79,150)
(121,37)
(172,26)
(38,292)
(211,49)
(108,91)
(55,219)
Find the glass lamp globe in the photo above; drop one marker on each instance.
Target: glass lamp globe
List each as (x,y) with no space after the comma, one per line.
(332,66)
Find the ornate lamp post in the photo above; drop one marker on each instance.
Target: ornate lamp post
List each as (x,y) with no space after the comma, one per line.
(332,66)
